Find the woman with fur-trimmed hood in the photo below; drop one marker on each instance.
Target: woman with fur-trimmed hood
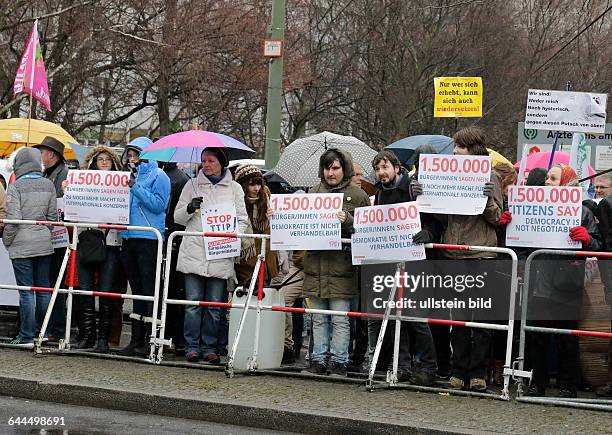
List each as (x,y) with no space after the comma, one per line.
(100,158)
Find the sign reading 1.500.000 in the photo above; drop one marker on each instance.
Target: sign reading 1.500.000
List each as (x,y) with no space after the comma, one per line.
(97,196)
(383,234)
(305,221)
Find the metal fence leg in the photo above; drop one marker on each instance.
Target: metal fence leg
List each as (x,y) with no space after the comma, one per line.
(381,334)
(510,332)
(160,341)
(522,333)
(56,287)
(153,337)
(252,365)
(229,367)
(392,375)
(65,344)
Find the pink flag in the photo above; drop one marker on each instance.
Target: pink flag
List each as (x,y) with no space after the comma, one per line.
(31,77)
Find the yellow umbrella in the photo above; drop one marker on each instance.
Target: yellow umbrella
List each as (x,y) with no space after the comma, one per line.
(14,134)
(497,158)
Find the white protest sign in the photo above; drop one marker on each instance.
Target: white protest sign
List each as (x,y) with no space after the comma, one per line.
(220,218)
(383,234)
(453,184)
(566,111)
(97,197)
(59,235)
(542,216)
(305,221)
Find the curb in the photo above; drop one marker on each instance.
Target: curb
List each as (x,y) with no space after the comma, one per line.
(212,411)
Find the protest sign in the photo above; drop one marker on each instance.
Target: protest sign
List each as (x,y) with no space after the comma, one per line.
(383,234)
(97,197)
(59,235)
(453,184)
(542,216)
(220,218)
(457,97)
(566,111)
(305,221)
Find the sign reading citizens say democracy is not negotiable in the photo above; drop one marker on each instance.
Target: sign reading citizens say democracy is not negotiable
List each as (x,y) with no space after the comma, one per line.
(457,97)
(305,221)
(566,111)
(542,216)
(453,184)
(97,197)
(220,218)
(383,234)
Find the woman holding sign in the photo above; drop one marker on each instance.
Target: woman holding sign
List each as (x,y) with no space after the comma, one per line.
(91,266)
(206,278)
(556,299)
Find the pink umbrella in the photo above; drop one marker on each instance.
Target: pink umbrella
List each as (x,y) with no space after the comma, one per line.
(541,159)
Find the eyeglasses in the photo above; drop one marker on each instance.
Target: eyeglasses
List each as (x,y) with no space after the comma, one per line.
(104,159)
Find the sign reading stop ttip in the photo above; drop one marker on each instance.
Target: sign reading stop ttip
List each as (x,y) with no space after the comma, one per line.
(220,218)
(542,216)
(306,221)
(97,197)
(453,184)
(383,234)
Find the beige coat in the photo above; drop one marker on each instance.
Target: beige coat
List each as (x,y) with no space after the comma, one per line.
(192,258)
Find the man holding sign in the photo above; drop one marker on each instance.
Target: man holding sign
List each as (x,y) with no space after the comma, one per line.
(330,280)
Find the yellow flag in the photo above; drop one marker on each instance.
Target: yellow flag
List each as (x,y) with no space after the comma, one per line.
(457,97)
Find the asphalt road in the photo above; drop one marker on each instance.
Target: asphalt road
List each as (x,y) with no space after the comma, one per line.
(83,420)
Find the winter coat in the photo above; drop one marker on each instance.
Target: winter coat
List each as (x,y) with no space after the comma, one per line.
(149,199)
(192,257)
(330,274)
(57,174)
(113,237)
(403,193)
(561,278)
(479,230)
(30,197)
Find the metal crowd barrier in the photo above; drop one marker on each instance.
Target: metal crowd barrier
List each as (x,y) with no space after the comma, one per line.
(64,345)
(392,379)
(258,273)
(595,404)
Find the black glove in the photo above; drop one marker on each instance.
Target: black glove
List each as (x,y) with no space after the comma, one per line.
(417,188)
(488,189)
(133,174)
(194,205)
(422,236)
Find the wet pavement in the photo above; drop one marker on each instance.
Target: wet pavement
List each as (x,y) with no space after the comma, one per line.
(275,402)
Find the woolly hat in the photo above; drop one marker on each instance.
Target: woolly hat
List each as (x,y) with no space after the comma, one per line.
(220,153)
(245,173)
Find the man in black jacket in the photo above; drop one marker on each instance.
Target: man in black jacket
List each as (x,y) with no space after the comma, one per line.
(396,186)
(176,313)
(52,156)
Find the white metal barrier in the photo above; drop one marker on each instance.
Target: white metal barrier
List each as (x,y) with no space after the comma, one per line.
(595,404)
(70,291)
(392,379)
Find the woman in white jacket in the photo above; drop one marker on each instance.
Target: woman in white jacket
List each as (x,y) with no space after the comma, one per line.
(206,280)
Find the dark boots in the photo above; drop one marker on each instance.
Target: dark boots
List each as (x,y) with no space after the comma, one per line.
(104,326)
(137,341)
(87,328)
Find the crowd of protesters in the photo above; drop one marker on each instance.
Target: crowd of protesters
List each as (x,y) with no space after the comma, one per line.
(165,198)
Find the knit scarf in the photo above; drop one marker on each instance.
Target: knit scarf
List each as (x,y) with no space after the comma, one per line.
(259,224)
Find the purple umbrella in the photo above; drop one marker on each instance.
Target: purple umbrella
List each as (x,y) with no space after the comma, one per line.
(187,147)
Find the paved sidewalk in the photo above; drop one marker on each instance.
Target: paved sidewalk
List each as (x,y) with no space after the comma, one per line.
(273,402)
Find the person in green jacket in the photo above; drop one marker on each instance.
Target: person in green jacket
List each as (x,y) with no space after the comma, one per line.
(330,279)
